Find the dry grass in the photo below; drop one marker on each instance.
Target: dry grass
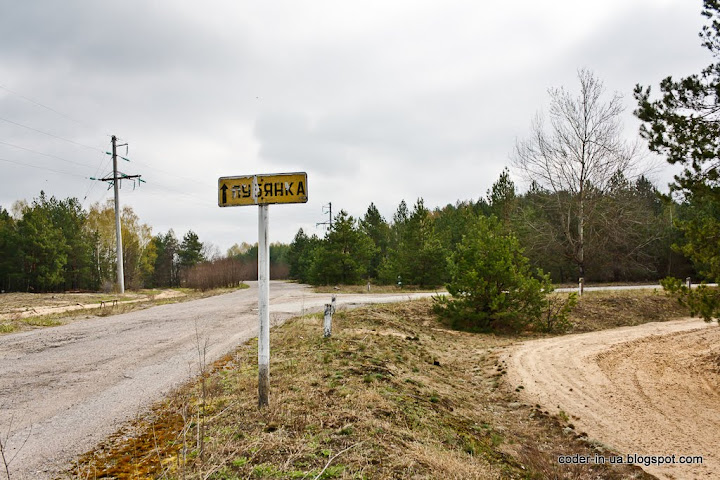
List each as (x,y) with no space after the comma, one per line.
(393,394)
(25,311)
(610,309)
(373,289)
(18,301)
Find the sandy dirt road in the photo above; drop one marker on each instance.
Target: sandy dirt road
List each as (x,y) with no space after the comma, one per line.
(64,389)
(649,390)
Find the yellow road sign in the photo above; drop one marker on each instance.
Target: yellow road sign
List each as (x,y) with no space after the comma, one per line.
(262,189)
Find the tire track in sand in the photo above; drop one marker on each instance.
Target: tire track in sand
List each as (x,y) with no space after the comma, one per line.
(652,389)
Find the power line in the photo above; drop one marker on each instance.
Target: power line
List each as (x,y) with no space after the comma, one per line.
(42,168)
(174,174)
(46,154)
(165,172)
(102,196)
(95,149)
(93,184)
(100,166)
(205,200)
(35,102)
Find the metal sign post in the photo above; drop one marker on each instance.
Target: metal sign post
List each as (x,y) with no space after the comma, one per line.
(262,190)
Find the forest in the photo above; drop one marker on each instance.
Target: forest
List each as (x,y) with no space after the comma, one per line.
(628,238)
(56,245)
(50,245)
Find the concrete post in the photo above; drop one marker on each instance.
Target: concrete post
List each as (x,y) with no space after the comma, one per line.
(327,321)
(263,307)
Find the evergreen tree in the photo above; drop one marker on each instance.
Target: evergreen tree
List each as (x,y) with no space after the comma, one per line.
(376,228)
(344,255)
(68,216)
(391,268)
(683,124)
(535,226)
(492,284)
(189,253)
(451,222)
(9,265)
(300,256)
(502,199)
(165,271)
(421,251)
(42,248)
(416,255)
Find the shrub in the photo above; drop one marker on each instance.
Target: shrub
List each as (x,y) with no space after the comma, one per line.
(556,317)
(704,301)
(493,287)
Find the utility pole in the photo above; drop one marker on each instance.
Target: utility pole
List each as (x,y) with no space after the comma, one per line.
(327,209)
(118,229)
(116,178)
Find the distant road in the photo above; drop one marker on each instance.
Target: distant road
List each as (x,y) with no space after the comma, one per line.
(65,389)
(622,287)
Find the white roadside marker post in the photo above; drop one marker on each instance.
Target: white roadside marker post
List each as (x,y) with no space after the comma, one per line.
(327,321)
(263,190)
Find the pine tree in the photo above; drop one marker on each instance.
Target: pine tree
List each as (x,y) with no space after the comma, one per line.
(683,124)
(376,228)
(344,255)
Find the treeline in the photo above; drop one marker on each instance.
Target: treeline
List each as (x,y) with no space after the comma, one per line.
(55,245)
(628,237)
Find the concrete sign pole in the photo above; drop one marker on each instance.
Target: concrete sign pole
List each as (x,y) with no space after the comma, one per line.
(262,190)
(263,306)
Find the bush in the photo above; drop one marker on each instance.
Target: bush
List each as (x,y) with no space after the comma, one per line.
(493,287)
(704,301)
(556,317)
(228,273)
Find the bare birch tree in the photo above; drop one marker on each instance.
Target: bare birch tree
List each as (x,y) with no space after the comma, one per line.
(575,156)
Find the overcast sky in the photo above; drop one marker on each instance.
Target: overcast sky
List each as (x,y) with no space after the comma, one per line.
(377,101)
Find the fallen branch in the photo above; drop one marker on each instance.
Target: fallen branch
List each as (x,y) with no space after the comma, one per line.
(333,458)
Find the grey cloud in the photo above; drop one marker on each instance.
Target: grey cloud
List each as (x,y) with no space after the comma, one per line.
(424,102)
(128,61)
(643,45)
(112,37)
(419,133)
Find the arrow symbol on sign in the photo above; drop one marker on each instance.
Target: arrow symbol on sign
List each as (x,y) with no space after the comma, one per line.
(224,193)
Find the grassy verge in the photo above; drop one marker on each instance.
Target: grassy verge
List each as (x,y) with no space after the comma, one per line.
(12,304)
(393,394)
(373,289)
(600,310)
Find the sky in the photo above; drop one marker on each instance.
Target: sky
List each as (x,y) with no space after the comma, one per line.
(378,101)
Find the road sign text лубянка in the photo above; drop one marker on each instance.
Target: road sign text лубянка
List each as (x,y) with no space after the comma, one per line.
(262,189)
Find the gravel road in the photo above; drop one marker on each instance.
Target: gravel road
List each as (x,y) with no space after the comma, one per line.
(64,389)
(652,390)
